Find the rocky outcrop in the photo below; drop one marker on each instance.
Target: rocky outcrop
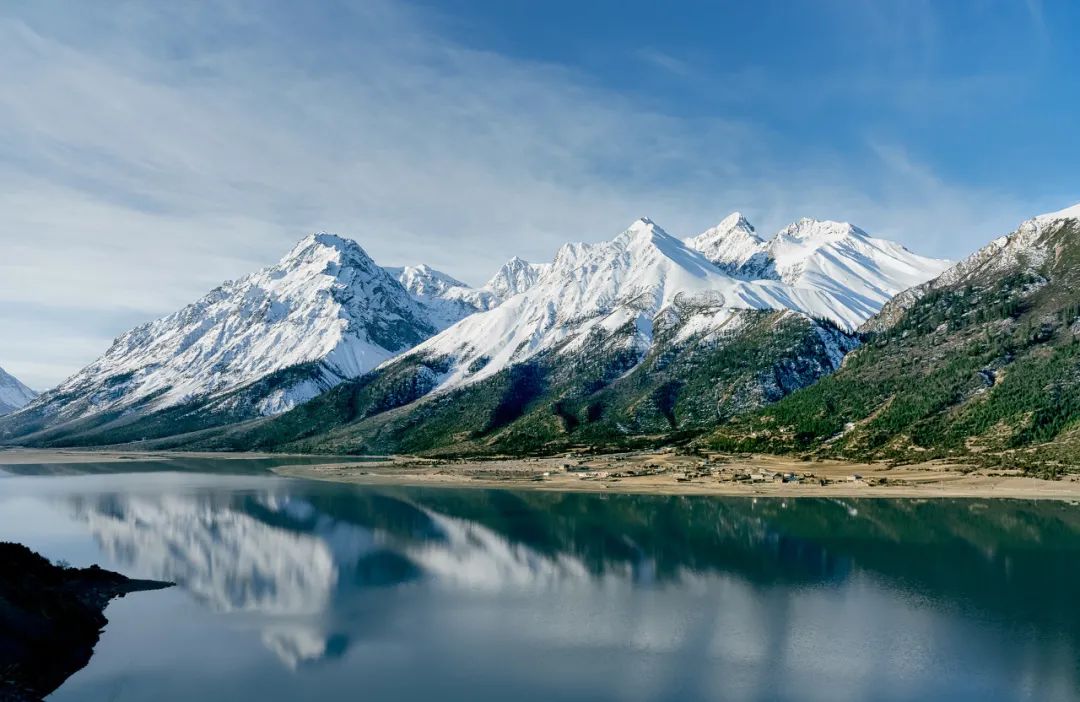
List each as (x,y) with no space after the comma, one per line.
(50,619)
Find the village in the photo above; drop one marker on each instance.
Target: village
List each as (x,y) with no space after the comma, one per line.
(717,470)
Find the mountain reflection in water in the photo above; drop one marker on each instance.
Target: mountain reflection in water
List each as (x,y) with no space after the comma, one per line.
(302,560)
(293,589)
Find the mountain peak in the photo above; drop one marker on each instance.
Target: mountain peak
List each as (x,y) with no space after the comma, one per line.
(735,221)
(734,226)
(515,276)
(642,230)
(823,230)
(445,299)
(1067,213)
(417,278)
(516,263)
(731,244)
(326,306)
(13,394)
(327,246)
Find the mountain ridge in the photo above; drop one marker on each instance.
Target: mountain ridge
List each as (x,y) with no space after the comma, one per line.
(328,314)
(637,335)
(13,393)
(980,365)
(325,312)
(836,257)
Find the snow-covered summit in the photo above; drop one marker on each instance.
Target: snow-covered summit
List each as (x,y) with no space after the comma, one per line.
(1032,244)
(515,276)
(1067,213)
(818,231)
(1027,246)
(446,299)
(424,280)
(325,302)
(13,394)
(733,245)
(839,258)
(627,282)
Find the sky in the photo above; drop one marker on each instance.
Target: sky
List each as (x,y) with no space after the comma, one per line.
(150,151)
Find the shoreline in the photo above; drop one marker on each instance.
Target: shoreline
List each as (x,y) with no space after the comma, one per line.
(20,455)
(52,618)
(666,473)
(662,472)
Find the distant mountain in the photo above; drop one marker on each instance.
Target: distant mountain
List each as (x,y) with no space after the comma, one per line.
(516,276)
(445,299)
(639,336)
(642,335)
(981,364)
(734,246)
(254,346)
(13,394)
(596,289)
(861,272)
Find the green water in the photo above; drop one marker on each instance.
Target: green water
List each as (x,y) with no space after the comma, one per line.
(301,590)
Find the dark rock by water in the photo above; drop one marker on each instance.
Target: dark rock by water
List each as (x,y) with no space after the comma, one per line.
(50,619)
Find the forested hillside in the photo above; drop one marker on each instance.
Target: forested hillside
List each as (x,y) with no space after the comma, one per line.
(982,365)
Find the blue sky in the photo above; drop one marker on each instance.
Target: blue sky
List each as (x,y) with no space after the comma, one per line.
(149,151)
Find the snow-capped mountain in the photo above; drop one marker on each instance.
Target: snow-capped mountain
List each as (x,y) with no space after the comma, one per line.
(13,394)
(734,246)
(446,299)
(977,366)
(637,336)
(862,271)
(300,567)
(598,288)
(326,307)
(327,312)
(1026,248)
(515,276)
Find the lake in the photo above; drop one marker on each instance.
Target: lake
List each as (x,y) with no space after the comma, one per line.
(291,590)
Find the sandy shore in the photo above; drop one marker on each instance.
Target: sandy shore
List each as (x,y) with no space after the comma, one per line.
(670,473)
(660,472)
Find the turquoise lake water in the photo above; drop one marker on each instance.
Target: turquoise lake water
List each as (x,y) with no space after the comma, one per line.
(293,590)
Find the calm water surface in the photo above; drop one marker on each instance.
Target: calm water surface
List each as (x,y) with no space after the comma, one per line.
(300,590)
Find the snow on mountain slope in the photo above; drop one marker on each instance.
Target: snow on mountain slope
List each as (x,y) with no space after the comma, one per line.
(860,271)
(446,299)
(326,302)
(1029,246)
(845,260)
(13,394)
(600,288)
(1072,212)
(734,246)
(516,276)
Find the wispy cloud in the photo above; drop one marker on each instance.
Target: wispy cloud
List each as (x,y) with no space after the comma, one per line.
(663,60)
(148,152)
(1038,21)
